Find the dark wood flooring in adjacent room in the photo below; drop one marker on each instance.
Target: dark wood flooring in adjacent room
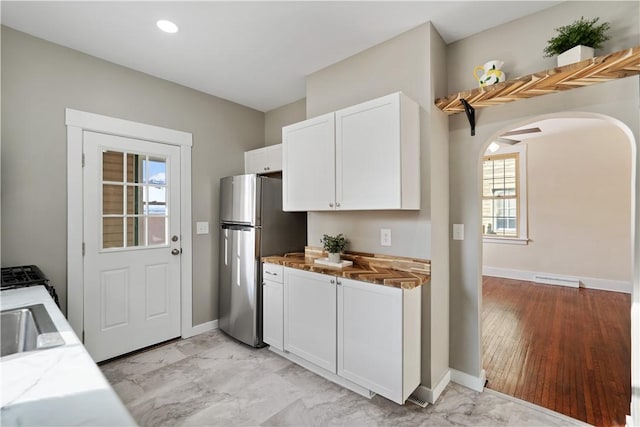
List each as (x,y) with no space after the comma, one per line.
(568,350)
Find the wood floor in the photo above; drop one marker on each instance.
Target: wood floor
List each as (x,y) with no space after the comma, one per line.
(568,350)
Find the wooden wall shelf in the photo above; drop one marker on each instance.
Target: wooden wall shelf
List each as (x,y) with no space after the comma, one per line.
(601,69)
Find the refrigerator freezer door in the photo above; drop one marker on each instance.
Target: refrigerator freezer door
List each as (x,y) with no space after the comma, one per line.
(239,309)
(239,196)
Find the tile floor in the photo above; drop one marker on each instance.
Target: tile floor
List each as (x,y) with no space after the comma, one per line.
(212,380)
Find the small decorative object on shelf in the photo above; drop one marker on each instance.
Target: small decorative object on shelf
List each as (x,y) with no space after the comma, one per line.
(334,245)
(491,73)
(577,41)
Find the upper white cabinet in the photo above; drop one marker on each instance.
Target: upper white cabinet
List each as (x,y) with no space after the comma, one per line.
(371,160)
(263,160)
(308,173)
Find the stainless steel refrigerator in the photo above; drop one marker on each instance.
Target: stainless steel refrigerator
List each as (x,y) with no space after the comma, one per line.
(252,225)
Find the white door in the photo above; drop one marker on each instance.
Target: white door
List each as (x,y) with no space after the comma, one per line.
(132,244)
(368,163)
(370,337)
(310,317)
(272,313)
(308,165)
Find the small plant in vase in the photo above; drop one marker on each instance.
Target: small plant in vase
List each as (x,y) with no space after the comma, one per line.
(577,41)
(334,245)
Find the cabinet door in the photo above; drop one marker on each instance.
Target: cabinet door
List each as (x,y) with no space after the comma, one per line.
(310,317)
(273,158)
(377,155)
(370,337)
(254,161)
(272,314)
(263,160)
(308,168)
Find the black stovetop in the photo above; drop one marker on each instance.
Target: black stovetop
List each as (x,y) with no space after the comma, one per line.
(18,277)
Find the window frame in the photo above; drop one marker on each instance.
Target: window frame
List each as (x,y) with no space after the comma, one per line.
(522,238)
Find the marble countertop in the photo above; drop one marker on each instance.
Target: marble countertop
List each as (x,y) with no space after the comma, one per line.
(387,270)
(60,386)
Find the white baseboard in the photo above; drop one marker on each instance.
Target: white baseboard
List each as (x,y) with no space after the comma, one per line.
(202,328)
(469,381)
(558,279)
(432,394)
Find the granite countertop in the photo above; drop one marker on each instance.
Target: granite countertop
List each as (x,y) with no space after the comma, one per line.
(59,386)
(387,270)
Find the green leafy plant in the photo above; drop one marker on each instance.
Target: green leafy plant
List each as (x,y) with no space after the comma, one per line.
(582,32)
(334,244)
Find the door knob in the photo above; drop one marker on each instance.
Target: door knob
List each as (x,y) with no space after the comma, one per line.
(174,238)
(175,251)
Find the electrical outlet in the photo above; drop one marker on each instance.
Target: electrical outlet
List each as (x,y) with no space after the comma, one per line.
(202,227)
(385,237)
(458,231)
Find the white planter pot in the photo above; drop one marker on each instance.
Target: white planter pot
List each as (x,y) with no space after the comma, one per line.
(334,257)
(575,54)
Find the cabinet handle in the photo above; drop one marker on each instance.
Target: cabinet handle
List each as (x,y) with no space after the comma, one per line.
(330,204)
(270,273)
(338,282)
(332,281)
(337,205)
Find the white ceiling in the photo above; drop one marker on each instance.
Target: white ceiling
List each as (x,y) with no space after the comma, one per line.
(253,53)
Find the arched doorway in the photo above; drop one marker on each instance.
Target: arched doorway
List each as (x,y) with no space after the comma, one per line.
(561,123)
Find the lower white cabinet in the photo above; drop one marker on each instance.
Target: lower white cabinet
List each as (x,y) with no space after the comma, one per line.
(379,338)
(310,317)
(365,333)
(272,306)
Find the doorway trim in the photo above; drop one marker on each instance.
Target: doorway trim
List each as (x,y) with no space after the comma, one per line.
(79,121)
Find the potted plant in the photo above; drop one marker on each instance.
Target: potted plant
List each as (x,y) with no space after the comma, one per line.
(577,41)
(334,245)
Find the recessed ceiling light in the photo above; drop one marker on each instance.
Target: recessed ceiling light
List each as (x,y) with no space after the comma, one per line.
(167,26)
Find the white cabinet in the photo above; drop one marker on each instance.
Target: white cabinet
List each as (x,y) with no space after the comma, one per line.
(378,155)
(364,157)
(379,338)
(263,160)
(310,317)
(364,333)
(272,306)
(308,172)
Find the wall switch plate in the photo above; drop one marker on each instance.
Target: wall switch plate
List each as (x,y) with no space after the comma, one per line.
(385,237)
(202,227)
(458,231)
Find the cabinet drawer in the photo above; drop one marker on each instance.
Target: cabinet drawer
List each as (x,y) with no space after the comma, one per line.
(272,272)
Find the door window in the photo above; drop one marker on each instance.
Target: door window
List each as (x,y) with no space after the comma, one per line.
(134,208)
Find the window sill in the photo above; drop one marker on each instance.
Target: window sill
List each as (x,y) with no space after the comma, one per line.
(505,240)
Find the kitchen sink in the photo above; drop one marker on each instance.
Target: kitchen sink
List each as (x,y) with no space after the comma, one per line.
(26,329)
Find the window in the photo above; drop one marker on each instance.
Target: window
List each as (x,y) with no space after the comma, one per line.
(134,207)
(504,196)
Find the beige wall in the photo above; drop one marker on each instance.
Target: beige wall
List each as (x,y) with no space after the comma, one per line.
(413,63)
(276,119)
(618,99)
(40,80)
(579,207)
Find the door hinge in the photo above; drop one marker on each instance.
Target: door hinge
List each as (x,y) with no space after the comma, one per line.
(82,248)
(82,159)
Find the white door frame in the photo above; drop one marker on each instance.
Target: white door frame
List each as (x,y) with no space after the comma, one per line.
(79,121)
